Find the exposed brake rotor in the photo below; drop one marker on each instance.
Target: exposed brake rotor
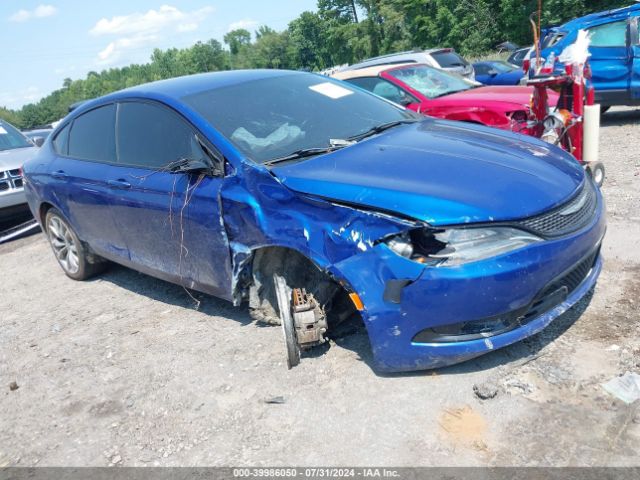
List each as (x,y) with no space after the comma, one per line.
(303,321)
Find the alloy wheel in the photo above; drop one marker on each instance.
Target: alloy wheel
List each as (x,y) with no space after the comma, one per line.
(63,244)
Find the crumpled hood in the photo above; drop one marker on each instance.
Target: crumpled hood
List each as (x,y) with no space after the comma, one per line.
(15,158)
(506,94)
(442,173)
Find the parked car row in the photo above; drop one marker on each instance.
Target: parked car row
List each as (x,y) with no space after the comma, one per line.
(442,58)
(437,93)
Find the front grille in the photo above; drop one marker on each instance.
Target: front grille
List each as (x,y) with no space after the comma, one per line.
(551,296)
(574,277)
(568,218)
(11,180)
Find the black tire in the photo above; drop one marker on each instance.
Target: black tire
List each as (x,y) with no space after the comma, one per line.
(72,255)
(288,328)
(596,172)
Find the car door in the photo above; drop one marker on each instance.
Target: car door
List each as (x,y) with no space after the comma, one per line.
(482,73)
(171,221)
(610,61)
(634,35)
(85,152)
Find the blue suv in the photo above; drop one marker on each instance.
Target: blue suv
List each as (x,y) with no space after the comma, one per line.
(448,240)
(615,52)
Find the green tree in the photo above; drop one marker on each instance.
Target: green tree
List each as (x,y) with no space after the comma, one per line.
(341,31)
(308,38)
(237,39)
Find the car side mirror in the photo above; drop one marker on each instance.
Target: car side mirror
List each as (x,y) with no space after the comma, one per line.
(493,72)
(38,141)
(189,165)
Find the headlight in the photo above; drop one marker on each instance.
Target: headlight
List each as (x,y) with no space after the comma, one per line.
(457,246)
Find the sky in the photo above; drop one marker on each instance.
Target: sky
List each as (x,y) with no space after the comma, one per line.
(42,42)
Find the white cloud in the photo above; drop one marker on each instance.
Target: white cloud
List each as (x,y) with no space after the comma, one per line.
(113,52)
(140,29)
(246,24)
(19,98)
(20,16)
(41,11)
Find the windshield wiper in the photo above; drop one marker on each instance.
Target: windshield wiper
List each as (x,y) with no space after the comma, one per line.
(302,153)
(381,128)
(450,92)
(337,144)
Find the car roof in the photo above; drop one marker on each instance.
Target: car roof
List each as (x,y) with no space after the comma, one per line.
(176,88)
(372,71)
(600,17)
(415,56)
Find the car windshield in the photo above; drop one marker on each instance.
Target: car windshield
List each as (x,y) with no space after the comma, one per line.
(278,116)
(431,82)
(502,67)
(11,138)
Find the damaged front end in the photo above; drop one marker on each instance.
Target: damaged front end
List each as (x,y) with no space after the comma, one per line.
(429,294)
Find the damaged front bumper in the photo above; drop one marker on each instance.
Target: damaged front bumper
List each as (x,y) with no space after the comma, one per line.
(421,317)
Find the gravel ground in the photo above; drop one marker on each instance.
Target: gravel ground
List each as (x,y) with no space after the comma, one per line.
(122,370)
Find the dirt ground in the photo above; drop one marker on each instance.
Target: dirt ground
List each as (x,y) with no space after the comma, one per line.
(121,370)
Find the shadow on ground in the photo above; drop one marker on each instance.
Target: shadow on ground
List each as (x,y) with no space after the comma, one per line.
(172,294)
(7,225)
(617,118)
(351,335)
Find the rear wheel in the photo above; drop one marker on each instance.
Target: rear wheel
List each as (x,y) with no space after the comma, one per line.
(71,254)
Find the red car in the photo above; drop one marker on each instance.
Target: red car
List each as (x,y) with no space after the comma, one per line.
(434,92)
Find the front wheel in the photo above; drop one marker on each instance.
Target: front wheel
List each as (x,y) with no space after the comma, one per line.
(71,254)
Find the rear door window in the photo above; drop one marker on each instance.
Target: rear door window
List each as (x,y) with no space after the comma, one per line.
(449,59)
(92,135)
(552,39)
(152,136)
(612,34)
(61,141)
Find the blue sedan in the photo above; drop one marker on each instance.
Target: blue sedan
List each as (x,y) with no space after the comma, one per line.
(313,201)
(497,72)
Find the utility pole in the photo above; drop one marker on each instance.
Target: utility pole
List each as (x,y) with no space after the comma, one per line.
(355,12)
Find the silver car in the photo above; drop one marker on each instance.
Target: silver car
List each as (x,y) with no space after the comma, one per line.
(15,149)
(442,58)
